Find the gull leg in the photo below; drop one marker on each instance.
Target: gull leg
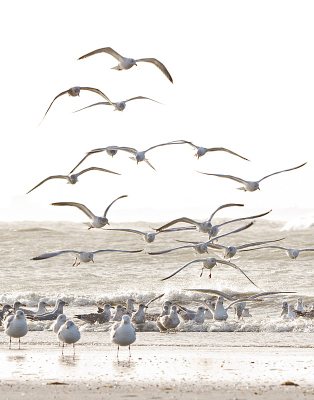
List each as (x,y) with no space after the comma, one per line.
(10,343)
(118,352)
(73,265)
(73,349)
(129,351)
(19,343)
(62,347)
(202,272)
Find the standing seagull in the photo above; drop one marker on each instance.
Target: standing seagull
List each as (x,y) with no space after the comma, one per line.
(69,334)
(201,151)
(123,333)
(127,63)
(74,92)
(118,106)
(167,322)
(101,317)
(97,222)
(72,178)
(250,186)
(15,326)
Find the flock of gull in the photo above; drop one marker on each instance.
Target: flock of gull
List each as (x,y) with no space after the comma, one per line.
(173,312)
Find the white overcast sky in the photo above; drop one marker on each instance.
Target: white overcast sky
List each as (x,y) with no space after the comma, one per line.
(243,79)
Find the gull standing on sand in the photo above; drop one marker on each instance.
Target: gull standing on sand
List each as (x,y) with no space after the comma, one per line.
(120,311)
(72,178)
(5,310)
(138,155)
(49,316)
(118,106)
(97,222)
(123,333)
(210,263)
(15,326)
(299,305)
(62,319)
(127,63)
(250,186)
(139,316)
(196,316)
(92,318)
(83,256)
(167,322)
(221,312)
(292,253)
(110,150)
(69,334)
(74,92)
(40,310)
(201,151)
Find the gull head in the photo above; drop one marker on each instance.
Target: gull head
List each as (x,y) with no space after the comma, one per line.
(120,106)
(108,306)
(252,186)
(74,91)
(19,314)
(69,324)
(209,263)
(149,237)
(140,156)
(126,319)
(111,152)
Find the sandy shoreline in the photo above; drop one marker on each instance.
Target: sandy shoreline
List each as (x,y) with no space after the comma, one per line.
(154,371)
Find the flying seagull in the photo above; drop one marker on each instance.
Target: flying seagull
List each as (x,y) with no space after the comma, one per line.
(74,92)
(118,106)
(97,222)
(127,63)
(250,186)
(72,178)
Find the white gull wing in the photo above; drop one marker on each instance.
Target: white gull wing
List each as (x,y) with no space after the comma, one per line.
(103,103)
(47,179)
(59,95)
(142,98)
(107,50)
(159,65)
(107,209)
(169,250)
(184,266)
(236,267)
(58,253)
(92,152)
(242,219)
(211,291)
(224,206)
(267,247)
(80,206)
(119,251)
(226,150)
(156,298)
(279,172)
(96,169)
(234,178)
(183,219)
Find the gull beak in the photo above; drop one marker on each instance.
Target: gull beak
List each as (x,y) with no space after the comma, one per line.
(93,261)
(135,64)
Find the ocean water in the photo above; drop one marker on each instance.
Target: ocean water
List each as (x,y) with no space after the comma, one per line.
(114,277)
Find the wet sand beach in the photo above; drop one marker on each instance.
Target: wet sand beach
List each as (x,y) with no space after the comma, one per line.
(159,371)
